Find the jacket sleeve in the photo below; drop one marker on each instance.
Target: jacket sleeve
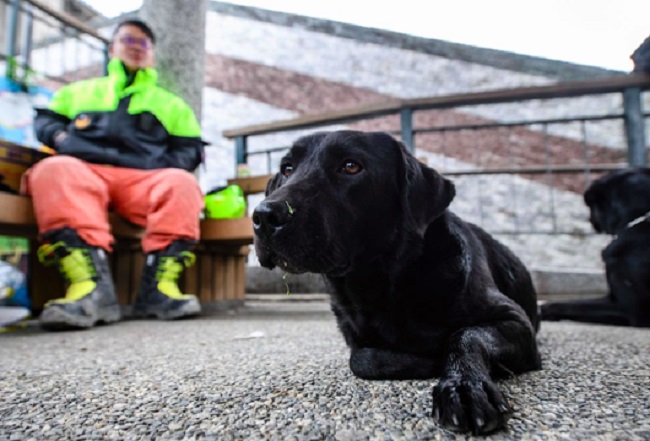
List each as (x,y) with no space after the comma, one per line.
(184,152)
(185,143)
(52,120)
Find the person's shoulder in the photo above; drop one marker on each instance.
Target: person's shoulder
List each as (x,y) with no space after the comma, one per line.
(84,84)
(169,96)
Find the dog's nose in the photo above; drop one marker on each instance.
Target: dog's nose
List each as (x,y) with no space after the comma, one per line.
(270,216)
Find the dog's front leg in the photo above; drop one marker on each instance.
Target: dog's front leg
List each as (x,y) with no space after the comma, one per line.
(466,397)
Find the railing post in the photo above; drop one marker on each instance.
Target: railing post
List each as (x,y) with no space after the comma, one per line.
(241,152)
(26,39)
(107,58)
(634,127)
(406,117)
(10,36)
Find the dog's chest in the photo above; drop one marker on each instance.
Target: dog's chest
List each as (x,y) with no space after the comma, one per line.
(387,323)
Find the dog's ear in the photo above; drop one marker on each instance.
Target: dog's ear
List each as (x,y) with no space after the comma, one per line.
(273,184)
(641,57)
(596,199)
(427,192)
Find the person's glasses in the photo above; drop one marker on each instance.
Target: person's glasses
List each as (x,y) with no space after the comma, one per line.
(128,40)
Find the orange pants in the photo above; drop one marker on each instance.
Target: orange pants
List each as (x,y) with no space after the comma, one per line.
(69,192)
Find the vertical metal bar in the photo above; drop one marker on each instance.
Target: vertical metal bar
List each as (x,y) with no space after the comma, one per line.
(585,150)
(406,119)
(75,65)
(10,35)
(513,183)
(445,154)
(634,127)
(479,178)
(107,58)
(241,153)
(27,22)
(549,179)
(63,51)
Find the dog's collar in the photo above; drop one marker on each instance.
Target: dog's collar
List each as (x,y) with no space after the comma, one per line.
(633,223)
(638,220)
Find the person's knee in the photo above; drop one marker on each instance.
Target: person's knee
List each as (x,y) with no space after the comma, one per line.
(178,184)
(57,165)
(52,171)
(179,180)
(177,176)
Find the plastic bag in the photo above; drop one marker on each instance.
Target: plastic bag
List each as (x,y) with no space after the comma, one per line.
(225,203)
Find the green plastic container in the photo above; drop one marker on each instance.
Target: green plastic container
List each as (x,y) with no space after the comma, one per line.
(225,203)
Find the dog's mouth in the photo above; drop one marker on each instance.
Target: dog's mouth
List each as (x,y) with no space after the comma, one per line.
(301,263)
(289,266)
(270,258)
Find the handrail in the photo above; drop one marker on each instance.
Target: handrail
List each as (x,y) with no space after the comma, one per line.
(533,170)
(45,30)
(68,20)
(613,84)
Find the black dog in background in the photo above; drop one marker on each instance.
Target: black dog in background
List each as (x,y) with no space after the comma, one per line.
(619,204)
(416,291)
(641,57)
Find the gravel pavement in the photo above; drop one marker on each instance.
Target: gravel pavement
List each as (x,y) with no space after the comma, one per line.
(279,371)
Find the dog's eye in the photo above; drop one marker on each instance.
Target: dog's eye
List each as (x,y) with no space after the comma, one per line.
(286,169)
(350,167)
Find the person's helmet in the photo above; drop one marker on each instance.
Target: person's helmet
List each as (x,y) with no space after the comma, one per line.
(225,203)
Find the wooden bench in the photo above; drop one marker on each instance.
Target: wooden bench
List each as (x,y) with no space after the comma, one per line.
(217,278)
(252,184)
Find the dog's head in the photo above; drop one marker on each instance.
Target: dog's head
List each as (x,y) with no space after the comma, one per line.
(346,197)
(641,57)
(618,198)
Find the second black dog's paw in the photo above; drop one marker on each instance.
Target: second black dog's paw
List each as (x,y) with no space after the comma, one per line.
(467,404)
(551,312)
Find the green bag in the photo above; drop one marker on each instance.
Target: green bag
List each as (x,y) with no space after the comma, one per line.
(225,203)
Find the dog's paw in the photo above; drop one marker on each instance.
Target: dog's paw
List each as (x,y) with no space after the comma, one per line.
(551,312)
(463,404)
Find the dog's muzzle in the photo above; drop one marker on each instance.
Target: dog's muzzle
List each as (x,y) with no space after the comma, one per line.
(270,216)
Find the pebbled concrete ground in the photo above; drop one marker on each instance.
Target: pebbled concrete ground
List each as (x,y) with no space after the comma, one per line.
(278,371)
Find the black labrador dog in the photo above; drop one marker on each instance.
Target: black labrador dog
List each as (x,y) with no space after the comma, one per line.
(619,204)
(416,291)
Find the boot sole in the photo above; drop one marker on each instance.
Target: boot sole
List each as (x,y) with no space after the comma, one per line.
(189,309)
(59,319)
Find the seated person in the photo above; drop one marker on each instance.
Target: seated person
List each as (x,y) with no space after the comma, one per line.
(123,143)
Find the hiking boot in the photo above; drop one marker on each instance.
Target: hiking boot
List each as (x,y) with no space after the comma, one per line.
(159,294)
(90,296)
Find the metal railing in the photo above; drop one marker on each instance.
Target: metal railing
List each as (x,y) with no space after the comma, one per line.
(559,155)
(45,47)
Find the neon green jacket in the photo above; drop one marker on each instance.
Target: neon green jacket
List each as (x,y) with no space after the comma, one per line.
(111,120)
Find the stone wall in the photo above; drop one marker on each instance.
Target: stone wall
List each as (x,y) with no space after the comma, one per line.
(268,66)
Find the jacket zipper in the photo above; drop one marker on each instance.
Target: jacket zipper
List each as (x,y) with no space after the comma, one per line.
(114,130)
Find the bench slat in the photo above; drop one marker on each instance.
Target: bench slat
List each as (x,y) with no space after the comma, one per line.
(17,218)
(252,184)
(222,240)
(228,230)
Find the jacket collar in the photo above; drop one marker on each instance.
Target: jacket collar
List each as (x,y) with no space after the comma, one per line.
(143,77)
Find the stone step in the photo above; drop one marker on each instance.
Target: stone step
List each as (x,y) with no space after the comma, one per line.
(551,284)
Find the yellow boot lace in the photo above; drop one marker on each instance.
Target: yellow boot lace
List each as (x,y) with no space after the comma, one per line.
(76,267)
(168,271)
